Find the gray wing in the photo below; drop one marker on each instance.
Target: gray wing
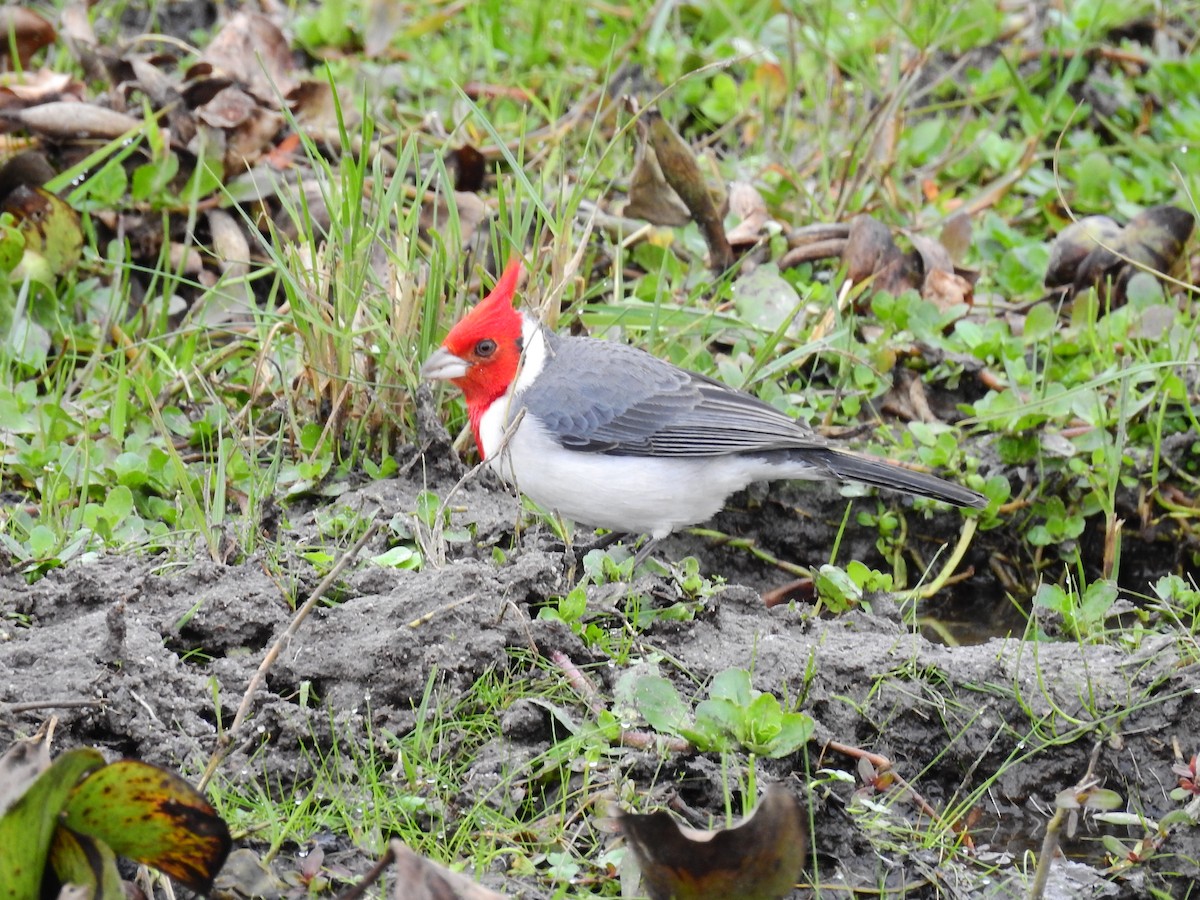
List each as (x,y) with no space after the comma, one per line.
(649,407)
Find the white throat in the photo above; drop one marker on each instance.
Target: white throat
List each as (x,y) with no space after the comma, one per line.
(533,359)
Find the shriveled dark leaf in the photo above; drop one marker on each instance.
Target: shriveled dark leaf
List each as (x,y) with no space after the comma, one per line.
(759,859)
(1074,243)
(650,197)
(683,174)
(151,816)
(869,249)
(469,167)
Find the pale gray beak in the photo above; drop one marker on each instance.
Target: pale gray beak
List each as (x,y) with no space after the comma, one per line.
(443,365)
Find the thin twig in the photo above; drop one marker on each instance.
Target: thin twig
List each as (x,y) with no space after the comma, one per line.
(50,704)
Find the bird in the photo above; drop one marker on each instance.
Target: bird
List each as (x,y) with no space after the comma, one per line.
(609,436)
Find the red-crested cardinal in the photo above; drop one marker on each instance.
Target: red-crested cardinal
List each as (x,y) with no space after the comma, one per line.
(608,436)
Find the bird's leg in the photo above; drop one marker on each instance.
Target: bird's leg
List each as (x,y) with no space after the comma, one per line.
(643,552)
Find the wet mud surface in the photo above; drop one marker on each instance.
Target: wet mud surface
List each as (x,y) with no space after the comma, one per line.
(145,659)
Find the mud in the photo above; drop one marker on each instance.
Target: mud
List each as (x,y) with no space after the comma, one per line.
(146,658)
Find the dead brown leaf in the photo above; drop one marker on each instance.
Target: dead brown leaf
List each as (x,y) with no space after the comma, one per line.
(956,236)
(747,204)
(251,50)
(229,108)
(1074,243)
(871,253)
(314,106)
(384,19)
(63,119)
(25,31)
(1095,253)
(682,173)
(43,86)
(759,859)
(650,197)
(418,878)
(946,289)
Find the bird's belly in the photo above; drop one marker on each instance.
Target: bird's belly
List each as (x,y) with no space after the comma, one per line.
(645,495)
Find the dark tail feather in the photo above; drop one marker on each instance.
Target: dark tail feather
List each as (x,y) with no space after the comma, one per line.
(882,474)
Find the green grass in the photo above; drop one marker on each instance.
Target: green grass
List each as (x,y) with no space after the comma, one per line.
(134,418)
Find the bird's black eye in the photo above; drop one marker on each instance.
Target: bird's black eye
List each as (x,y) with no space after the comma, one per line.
(486,347)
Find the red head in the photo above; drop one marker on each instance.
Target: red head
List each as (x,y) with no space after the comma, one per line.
(482,353)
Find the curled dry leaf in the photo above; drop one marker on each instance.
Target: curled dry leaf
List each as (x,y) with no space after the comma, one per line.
(38,87)
(869,249)
(164,94)
(246,144)
(228,108)
(946,289)
(747,204)
(870,252)
(759,859)
(63,119)
(418,878)
(941,285)
(315,107)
